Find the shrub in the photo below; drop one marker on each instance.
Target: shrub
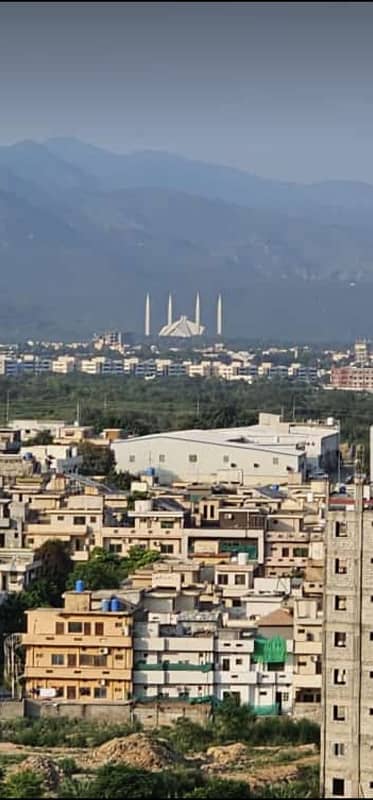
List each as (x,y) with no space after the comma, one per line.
(26,785)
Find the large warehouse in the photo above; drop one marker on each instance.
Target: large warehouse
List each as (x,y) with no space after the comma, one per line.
(272,451)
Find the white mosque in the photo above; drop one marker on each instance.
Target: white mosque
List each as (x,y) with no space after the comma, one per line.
(184,328)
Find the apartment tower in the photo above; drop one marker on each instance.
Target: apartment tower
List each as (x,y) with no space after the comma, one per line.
(347,694)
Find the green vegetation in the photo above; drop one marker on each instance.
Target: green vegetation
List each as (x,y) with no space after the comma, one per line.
(26,785)
(231,723)
(141,407)
(105,570)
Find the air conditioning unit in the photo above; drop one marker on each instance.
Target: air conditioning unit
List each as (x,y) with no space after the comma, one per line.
(102,683)
(104,651)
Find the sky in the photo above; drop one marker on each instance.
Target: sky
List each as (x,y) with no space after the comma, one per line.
(283,90)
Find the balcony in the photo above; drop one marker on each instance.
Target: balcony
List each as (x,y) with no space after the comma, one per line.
(75,640)
(78,673)
(169,666)
(307,681)
(305,648)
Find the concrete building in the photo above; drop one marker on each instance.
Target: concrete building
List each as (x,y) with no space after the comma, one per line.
(347,724)
(272,451)
(53,457)
(307,677)
(82,652)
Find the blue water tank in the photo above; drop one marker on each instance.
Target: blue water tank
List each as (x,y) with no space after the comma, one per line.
(79,586)
(150,471)
(105,605)
(115,604)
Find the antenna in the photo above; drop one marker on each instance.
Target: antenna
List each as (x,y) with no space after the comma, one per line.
(169,310)
(219,316)
(198,312)
(147,315)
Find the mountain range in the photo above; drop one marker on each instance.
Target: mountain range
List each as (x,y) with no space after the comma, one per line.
(85,232)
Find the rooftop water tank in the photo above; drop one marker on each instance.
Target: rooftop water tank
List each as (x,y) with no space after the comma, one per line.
(243,559)
(79,586)
(115,604)
(105,605)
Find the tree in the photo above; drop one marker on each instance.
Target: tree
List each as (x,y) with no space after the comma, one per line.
(116,781)
(119,480)
(218,788)
(232,721)
(56,566)
(97,459)
(105,570)
(26,785)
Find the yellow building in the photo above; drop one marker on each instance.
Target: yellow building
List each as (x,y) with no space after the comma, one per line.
(82,652)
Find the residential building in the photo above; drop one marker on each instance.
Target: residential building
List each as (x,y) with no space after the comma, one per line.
(347,692)
(82,652)
(307,677)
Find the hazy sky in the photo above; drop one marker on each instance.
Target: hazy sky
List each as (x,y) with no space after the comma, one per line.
(281,89)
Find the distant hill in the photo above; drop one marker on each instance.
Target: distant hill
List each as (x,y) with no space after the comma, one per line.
(84,233)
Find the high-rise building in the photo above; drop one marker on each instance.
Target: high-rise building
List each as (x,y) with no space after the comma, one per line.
(361,349)
(347,696)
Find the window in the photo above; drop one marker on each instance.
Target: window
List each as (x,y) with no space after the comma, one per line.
(75,627)
(226,664)
(167,548)
(239,662)
(371,712)
(84,691)
(340,566)
(275,666)
(300,552)
(339,677)
(132,460)
(87,629)
(99,628)
(60,517)
(71,693)
(338,788)
(60,628)
(57,661)
(93,660)
(223,580)
(71,660)
(226,459)
(340,529)
(115,548)
(285,697)
(339,713)
(340,639)
(167,523)
(340,602)
(275,461)
(193,459)
(339,749)
(79,520)
(256,466)
(285,552)
(100,692)
(162,458)
(239,580)
(93,519)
